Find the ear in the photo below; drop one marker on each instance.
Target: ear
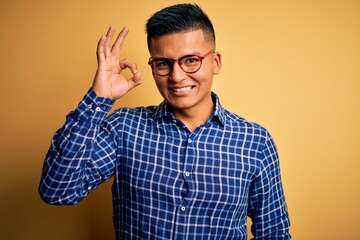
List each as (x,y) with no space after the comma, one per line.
(217,62)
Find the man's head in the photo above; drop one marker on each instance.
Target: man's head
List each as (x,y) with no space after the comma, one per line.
(183,57)
(179,18)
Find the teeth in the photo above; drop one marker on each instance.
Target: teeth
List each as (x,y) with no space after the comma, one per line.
(182,89)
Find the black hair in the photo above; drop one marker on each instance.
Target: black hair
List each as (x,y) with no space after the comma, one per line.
(179,18)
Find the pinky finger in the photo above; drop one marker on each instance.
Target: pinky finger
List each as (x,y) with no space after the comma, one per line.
(101,49)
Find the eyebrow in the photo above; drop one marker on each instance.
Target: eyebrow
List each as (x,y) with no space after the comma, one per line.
(190,54)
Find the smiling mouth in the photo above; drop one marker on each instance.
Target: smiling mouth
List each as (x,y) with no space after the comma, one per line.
(182,89)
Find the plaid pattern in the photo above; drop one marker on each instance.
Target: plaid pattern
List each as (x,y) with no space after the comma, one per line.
(169,183)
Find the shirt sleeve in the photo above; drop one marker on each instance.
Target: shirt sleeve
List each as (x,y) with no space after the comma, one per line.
(81,154)
(267,206)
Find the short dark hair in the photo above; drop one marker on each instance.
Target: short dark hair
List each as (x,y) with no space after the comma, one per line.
(179,18)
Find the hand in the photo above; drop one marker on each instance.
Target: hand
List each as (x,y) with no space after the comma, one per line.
(108,81)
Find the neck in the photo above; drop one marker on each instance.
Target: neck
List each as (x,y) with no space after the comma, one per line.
(195,117)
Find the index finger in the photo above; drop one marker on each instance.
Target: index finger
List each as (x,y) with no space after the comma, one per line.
(115,50)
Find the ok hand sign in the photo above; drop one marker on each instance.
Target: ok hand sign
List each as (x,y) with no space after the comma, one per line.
(108,81)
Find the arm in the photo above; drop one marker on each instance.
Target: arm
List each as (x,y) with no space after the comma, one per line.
(77,160)
(83,151)
(267,206)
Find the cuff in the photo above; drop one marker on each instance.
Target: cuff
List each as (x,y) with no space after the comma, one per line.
(93,108)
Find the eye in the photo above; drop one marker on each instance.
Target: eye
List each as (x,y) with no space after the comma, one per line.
(190,60)
(162,63)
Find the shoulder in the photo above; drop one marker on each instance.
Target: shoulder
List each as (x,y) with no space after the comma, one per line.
(234,120)
(249,130)
(235,123)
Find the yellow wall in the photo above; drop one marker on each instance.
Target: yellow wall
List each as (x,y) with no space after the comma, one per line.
(292,66)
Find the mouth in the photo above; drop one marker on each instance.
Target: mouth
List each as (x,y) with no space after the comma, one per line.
(182,89)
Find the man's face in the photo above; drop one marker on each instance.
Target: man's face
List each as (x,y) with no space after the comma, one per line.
(186,91)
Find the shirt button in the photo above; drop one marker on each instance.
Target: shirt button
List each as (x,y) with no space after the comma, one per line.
(174,121)
(89,106)
(98,109)
(183,209)
(187,174)
(190,141)
(68,136)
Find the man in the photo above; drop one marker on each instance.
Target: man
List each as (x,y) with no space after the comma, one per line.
(186,169)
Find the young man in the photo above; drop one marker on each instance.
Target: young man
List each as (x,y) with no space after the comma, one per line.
(186,169)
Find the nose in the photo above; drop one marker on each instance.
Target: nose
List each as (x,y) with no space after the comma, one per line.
(177,74)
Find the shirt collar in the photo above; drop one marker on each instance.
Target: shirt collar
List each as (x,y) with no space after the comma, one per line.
(164,111)
(219,112)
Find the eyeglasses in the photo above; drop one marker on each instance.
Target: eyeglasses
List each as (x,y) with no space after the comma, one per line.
(188,63)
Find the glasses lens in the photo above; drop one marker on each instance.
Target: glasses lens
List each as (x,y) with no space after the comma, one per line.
(162,66)
(190,64)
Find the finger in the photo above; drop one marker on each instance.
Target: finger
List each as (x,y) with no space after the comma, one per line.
(109,35)
(136,78)
(104,43)
(101,49)
(115,50)
(125,63)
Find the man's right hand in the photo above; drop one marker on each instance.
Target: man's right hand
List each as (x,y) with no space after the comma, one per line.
(109,82)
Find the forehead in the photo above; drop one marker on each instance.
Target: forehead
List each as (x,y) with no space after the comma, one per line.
(179,44)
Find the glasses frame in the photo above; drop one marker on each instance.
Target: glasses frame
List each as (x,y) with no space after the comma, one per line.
(172,62)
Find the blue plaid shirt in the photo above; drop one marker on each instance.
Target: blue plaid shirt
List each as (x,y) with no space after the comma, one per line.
(169,183)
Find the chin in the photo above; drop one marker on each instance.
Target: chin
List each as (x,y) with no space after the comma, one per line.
(179,104)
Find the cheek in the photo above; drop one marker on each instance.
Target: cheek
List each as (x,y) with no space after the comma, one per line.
(207,70)
(160,83)
(205,76)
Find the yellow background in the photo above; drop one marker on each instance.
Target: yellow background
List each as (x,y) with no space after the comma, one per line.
(292,66)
